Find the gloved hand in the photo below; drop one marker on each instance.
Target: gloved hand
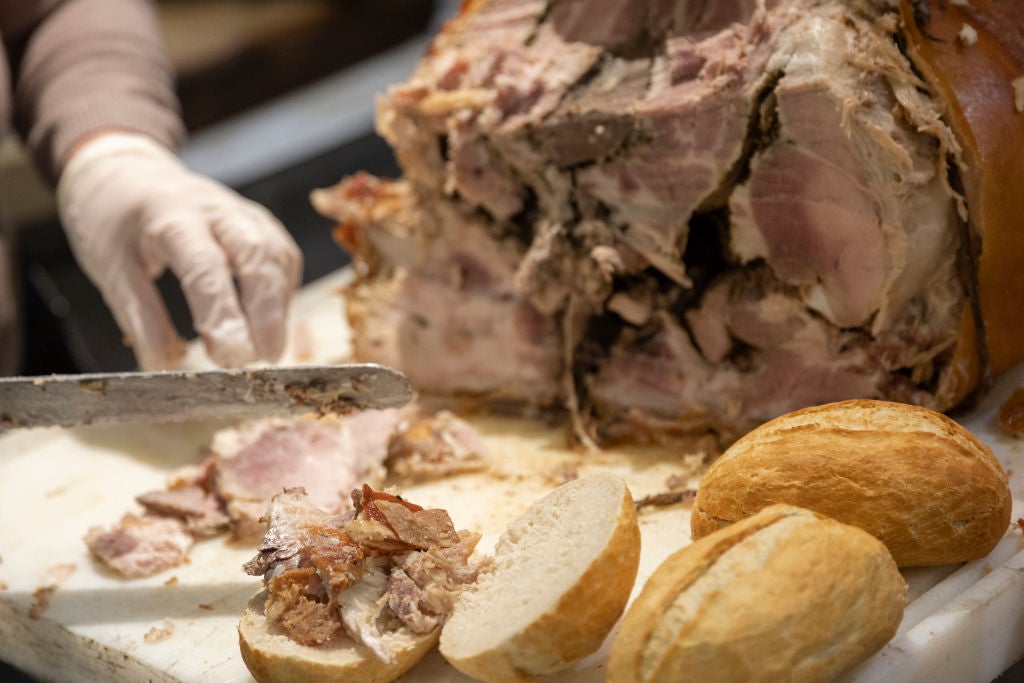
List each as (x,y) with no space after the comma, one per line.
(131,209)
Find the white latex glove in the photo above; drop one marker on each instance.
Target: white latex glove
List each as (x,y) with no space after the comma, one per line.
(131,209)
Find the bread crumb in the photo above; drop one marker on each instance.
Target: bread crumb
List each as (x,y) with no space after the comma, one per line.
(1018,93)
(156,634)
(205,606)
(173,581)
(563,473)
(3,585)
(967,36)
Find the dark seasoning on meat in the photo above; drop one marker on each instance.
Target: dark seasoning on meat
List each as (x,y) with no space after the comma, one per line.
(664,216)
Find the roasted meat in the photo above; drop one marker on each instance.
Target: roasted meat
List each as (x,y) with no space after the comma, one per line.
(677,215)
(388,564)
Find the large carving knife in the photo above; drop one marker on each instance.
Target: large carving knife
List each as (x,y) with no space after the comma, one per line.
(69,400)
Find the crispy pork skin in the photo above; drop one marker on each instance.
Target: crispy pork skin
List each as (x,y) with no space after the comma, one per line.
(663,215)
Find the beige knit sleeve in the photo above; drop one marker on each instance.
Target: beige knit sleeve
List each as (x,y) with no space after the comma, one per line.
(85,65)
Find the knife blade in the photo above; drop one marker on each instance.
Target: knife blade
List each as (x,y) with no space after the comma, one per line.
(175,396)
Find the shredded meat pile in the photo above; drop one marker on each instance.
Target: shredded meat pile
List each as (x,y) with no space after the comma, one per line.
(387,565)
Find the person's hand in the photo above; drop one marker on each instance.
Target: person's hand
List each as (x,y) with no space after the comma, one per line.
(131,209)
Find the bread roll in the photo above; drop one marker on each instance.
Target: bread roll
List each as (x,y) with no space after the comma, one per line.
(915,479)
(784,595)
(272,656)
(562,576)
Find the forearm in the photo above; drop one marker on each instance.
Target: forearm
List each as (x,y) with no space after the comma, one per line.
(89,66)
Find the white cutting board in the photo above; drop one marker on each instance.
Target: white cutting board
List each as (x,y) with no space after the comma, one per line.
(963,624)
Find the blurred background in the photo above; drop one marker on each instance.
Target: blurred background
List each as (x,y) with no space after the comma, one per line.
(278,97)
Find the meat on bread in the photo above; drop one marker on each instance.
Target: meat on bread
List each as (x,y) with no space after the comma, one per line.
(357,596)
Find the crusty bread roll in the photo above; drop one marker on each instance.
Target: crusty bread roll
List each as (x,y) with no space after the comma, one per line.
(912,477)
(272,656)
(562,576)
(786,595)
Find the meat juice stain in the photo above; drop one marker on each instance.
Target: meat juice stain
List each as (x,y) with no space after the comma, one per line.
(1011,413)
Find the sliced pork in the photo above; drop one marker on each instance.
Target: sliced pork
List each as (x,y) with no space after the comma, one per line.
(662,215)
(141,545)
(385,565)
(201,510)
(326,458)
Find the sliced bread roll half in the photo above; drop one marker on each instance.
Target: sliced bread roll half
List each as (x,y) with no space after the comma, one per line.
(271,655)
(359,596)
(561,577)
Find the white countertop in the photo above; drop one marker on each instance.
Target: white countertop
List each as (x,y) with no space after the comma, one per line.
(963,623)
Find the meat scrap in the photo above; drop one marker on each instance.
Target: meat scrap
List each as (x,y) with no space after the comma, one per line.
(682,216)
(199,508)
(1011,413)
(434,446)
(414,526)
(325,459)
(324,580)
(666,498)
(55,577)
(141,546)
(307,620)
